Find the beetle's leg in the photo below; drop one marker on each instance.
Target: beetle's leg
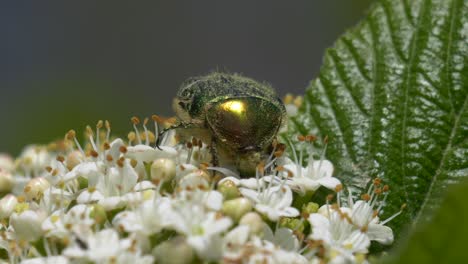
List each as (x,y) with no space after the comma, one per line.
(214,152)
(214,156)
(175,126)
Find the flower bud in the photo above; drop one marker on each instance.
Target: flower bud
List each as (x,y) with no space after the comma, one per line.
(175,250)
(228,189)
(236,208)
(6,162)
(292,223)
(6,181)
(310,208)
(98,213)
(194,180)
(35,158)
(35,188)
(27,224)
(7,205)
(254,221)
(74,158)
(163,169)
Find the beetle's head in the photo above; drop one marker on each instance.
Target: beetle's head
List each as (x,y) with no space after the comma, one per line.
(184,103)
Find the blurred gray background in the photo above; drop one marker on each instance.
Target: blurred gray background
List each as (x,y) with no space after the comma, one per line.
(65,64)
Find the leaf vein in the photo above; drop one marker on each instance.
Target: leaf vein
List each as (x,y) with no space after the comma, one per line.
(392,33)
(338,125)
(356,58)
(449,52)
(359,105)
(443,160)
(406,82)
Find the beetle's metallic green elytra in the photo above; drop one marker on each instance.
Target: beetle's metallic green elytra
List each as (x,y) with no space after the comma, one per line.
(238,115)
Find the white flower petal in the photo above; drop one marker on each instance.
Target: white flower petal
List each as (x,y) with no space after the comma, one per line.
(238,235)
(358,241)
(114,150)
(329,182)
(250,194)
(89,197)
(214,200)
(380,233)
(235,180)
(113,202)
(144,185)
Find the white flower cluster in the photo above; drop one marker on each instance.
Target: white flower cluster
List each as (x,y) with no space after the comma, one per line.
(122,201)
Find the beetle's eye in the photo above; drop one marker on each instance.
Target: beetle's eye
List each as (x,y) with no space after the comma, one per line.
(183,105)
(186,93)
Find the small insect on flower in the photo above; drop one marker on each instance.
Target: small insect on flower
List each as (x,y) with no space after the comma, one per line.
(237,116)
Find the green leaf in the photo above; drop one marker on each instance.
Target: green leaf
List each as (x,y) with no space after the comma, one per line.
(444,239)
(392,99)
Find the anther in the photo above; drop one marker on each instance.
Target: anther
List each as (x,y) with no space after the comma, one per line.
(94,154)
(60,159)
(71,134)
(278,153)
(204,165)
(298,101)
(108,128)
(375,213)
(157,119)
(135,120)
(288,98)
(120,162)
(339,188)
(261,168)
(123,149)
(377,181)
(89,131)
(106,146)
(325,140)
(310,138)
(366,197)
(131,137)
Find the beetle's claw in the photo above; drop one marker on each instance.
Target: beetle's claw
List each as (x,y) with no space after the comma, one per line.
(158,140)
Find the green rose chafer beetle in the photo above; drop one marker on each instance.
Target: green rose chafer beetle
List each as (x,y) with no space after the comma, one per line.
(239,116)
